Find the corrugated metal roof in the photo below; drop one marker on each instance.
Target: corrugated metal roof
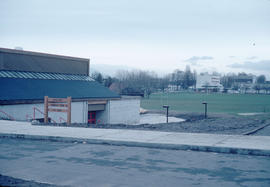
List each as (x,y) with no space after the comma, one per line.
(14,89)
(41,75)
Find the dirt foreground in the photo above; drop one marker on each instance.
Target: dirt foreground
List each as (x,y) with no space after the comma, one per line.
(195,123)
(11,181)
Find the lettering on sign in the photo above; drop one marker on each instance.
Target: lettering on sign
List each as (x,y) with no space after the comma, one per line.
(57,105)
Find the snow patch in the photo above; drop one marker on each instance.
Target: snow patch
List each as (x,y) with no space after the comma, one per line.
(250,114)
(157,118)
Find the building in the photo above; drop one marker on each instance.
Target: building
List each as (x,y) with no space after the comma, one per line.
(173,88)
(26,77)
(205,81)
(243,78)
(241,83)
(244,83)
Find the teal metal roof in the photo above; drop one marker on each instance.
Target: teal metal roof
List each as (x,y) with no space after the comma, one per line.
(41,75)
(23,86)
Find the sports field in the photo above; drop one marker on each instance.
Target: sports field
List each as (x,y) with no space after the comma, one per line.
(217,102)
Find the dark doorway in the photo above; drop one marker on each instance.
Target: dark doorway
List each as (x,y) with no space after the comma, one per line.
(91,117)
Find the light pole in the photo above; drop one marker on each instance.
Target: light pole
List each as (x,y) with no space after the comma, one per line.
(167,107)
(205,109)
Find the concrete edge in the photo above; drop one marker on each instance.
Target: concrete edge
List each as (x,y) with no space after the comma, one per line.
(256,130)
(215,149)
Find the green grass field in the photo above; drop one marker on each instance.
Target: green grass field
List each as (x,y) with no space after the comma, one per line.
(217,103)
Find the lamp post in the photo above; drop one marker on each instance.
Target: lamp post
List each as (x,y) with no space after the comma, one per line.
(205,109)
(167,107)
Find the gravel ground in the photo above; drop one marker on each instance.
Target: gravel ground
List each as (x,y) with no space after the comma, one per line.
(195,123)
(10,181)
(264,132)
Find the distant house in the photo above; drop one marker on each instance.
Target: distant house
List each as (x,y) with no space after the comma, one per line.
(205,81)
(26,77)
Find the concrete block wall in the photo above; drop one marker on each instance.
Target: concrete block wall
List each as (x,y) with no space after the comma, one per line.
(79,112)
(103,116)
(22,112)
(25,112)
(124,111)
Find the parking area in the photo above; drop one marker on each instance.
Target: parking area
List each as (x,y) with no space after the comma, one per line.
(77,164)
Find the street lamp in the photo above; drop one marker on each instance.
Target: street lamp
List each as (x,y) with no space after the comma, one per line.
(205,109)
(167,107)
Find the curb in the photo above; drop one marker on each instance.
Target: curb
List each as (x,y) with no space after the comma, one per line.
(256,130)
(216,149)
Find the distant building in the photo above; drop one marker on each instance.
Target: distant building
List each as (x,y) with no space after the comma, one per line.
(173,88)
(242,78)
(244,82)
(26,77)
(205,81)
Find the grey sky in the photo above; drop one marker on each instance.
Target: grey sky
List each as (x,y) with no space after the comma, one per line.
(256,65)
(156,35)
(193,60)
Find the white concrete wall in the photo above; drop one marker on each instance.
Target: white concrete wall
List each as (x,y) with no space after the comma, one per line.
(23,112)
(124,111)
(103,116)
(78,112)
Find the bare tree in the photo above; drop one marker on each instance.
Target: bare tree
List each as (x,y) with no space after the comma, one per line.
(137,82)
(189,78)
(257,87)
(261,79)
(97,77)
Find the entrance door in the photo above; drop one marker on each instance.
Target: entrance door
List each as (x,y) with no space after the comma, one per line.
(91,117)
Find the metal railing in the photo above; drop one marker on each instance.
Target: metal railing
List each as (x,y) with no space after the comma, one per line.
(34,113)
(62,119)
(28,117)
(9,116)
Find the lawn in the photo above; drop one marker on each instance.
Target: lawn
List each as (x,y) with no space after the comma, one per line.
(217,102)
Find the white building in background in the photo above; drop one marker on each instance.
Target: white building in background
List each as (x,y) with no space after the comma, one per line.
(205,81)
(173,88)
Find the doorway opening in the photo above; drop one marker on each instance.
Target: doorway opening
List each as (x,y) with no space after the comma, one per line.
(92,117)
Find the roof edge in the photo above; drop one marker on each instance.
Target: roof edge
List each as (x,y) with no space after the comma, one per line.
(38,101)
(16,51)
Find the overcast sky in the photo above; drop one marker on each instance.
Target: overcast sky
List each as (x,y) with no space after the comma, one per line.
(208,35)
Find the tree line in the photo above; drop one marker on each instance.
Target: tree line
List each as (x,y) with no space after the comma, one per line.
(143,83)
(139,82)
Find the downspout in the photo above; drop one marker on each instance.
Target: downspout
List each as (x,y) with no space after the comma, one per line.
(86,112)
(109,112)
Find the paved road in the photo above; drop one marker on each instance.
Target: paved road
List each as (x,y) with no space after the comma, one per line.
(103,165)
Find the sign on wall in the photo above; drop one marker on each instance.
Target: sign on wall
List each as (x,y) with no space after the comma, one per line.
(57,105)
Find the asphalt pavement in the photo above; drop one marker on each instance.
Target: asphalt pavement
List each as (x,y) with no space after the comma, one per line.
(79,164)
